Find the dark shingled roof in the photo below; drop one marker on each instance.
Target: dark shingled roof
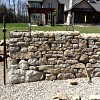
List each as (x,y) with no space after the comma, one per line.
(96,6)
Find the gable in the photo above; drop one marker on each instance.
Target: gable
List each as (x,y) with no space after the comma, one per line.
(45,3)
(84,4)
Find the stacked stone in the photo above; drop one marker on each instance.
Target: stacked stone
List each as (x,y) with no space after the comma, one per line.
(55,55)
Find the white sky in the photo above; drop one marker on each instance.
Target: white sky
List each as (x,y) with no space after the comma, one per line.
(7,1)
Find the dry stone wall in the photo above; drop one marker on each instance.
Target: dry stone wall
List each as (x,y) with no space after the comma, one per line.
(55,55)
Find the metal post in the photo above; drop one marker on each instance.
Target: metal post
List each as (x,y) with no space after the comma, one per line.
(4,31)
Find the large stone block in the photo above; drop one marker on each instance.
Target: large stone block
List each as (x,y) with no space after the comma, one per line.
(80,75)
(27,39)
(50,77)
(65,76)
(24,50)
(32,48)
(60,62)
(93,46)
(15,34)
(79,65)
(14,67)
(38,54)
(69,52)
(20,55)
(53,71)
(17,76)
(23,65)
(20,44)
(74,41)
(75,46)
(14,49)
(92,61)
(97,74)
(96,65)
(43,61)
(84,58)
(52,61)
(69,70)
(32,76)
(71,61)
(82,43)
(45,67)
(33,61)
(89,65)
(14,61)
(44,47)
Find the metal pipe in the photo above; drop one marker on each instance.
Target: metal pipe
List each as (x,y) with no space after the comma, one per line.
(4,31)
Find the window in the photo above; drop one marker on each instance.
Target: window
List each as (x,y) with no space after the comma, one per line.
(50,5)
(49,16)
(36,16)
(36,5)
(33,16)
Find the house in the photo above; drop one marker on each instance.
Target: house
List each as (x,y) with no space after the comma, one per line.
(64,11)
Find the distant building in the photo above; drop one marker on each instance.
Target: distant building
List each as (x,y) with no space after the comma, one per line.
(65,11)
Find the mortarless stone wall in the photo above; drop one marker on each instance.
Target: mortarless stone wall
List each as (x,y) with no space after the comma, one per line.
(55,55)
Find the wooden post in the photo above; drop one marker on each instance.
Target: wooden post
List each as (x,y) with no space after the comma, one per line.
(46,19)
(51,18)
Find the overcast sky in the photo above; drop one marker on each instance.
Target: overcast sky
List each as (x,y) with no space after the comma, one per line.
(7,1)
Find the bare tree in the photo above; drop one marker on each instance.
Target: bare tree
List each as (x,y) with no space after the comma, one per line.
(24,11)
(9,3)
(19,10)
(14,9)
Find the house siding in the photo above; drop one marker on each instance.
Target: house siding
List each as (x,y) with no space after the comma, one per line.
(61,14)
(54,5)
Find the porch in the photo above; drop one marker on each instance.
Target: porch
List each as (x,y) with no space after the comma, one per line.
(44,13)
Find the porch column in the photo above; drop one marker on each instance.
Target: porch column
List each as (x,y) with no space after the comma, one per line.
(69,18)
(69,12)
(43,18)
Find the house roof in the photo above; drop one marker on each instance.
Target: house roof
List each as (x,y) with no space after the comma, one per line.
(95,5)
(63,1)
